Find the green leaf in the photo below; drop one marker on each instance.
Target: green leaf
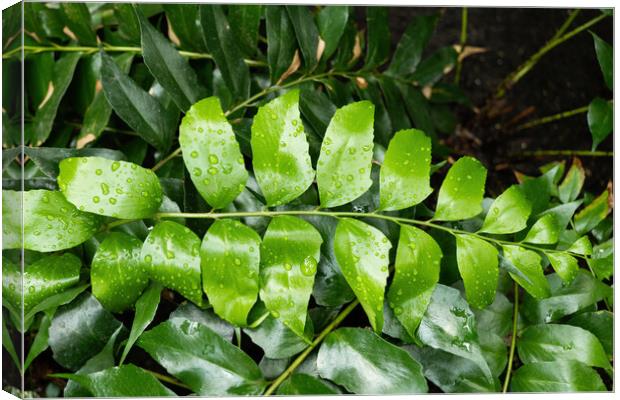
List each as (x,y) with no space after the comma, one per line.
(592,214)
(565,299)
(600,323)
(171,255)
(114,188)
(201,359)
(290,252)
(230,255)
(170,69)
(128,25)
(146,307)
(581,246)
(245,22)
(206,317)
(450,325)
(544,231)
(478,265)
(562,213)
(362,253)
(7,343)
(600,120)
(45,277)
(53,301)
(508,213)
(124,381)
(551,342)
(556,376)
(183,19)
(405,173)
(344,166)
(434,67)
(409,50)
(378,37)
(460,195)
(602,260)
(364,363)
(300,384)
(395,104)
(571,186)
(47,159)
(280,47)
(41,126)
(564,264)
(78,20)
(497,317)
(211,153)
(605,56)
(222,44)
(417,266)
(79,331)
(280,150)
(528,263)
(418,108)
(49,223)
(306,32)
(142,112)
(331,21)
(40,342)
(117,274)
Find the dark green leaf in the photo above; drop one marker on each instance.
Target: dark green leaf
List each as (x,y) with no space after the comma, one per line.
(556,376)
(478,265)
(435,66)
(600,323)
(53,301)
(128,25)
(460,195)
(183,21)
(200,358)
(508,213)
(418,108)
(280,47)
(411,44)
(562,213)
(206,317)
(331,21)
(114,188)
(528,263)
(245,21)
(378,38)
(602,260)
(7,343)
(605,56)
(47,159)
(592,214)
(600,120)
(364,363)
(300,384)
(78,20)
(307,34)
(146,306)
(395,104)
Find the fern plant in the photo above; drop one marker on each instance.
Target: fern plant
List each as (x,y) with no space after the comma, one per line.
(301,228)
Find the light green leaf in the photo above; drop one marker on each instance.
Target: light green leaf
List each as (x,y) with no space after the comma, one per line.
(343,171)
(171,256)
(605,56)
(117,273)
(230,255)
(211,153)
(602,260)
(290,252)
(364,363)
(544,231)
(592,214)
(281,160)
(50,222)
(478,265)
(280,47)
(600,323)
(460,195)
(170,69)
(202,359)
(528,263)
(331,21)
(417,266)
(564,264)
(405,173)
(571,186)
(551,342)
(409,51)
(508,213)
(581,246)
(600,120)
(53,301)
(114,188)
(362,253)
(300,384)
(563,213)
(556,376)
(306,32)
(379,37)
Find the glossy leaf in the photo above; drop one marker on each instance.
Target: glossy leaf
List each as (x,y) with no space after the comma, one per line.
(7,344)
(362,253)
(556,376)
(604,54)
(117,273)
(600,120)
(53,301)
(563,213)
(146,306)
(306,32)
(405,172)
(379,37)
(344,166)
(460,195)
(565,265)
(222,44)
(171,256)
(142,112)
(581,246)
(478,265)
(200,358)
(551,342)
(290,252)
(508,213)
(301,384)
(528,263)
(571,186)
(79,331)
(430,70)
(206,317)
(331,22)
(245,22)
(602,260)
(600,323)
(50,222)
(114,188)
(183,20)
(280,47)
(78,20)
(592,214)
(230,257)
(170,69)
(544,231)
(409,50)
(417,266)
(364,363)
(281,160)
(211,153)
(47,159)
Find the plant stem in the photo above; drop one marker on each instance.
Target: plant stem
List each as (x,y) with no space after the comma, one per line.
(568,153)
(513,343)
(462,41)
(524,68)
(552,118)
(168,379)
(566,24)
(297,362)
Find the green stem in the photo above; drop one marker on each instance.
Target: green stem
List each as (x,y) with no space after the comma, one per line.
(300,359)
(462,41)
(168,379)
(567,23)
(524,68)
(552,118)
(513,343)
(565,153)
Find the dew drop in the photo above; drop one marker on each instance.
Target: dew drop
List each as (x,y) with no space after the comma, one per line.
(194,154)
(98,171)
(95,199)
(213,159)
(308,267)
(212,170)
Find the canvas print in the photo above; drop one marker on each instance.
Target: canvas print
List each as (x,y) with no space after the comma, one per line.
(230,199)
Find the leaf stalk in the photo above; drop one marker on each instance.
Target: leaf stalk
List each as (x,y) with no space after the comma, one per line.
(513,342)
